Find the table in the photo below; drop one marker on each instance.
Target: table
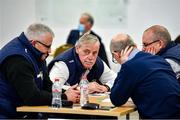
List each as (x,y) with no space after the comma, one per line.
(117,112)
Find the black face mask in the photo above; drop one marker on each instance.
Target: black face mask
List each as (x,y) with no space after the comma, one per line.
(39,54)
(47,54)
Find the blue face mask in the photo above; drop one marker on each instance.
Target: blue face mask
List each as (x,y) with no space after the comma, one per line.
(81,28)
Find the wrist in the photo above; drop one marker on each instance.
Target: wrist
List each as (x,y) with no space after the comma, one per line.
(107,87)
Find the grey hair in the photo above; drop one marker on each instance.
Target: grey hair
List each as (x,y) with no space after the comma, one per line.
(34,31)
(159,32)
(87,38)
(90,18)
(120,43)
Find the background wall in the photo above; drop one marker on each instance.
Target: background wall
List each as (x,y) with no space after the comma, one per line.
(0,23)
(16,15)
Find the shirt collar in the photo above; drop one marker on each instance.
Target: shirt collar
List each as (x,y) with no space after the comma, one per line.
(132,54)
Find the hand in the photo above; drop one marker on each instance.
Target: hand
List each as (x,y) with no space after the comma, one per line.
(95,87)
(73,94)
(125,54)
(151,50)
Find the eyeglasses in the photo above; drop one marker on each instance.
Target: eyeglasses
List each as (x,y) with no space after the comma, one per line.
(145,45)
(47,46)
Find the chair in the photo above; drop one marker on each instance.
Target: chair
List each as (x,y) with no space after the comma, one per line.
(61,49)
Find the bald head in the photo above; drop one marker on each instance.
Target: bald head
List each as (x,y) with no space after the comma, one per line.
(120,42)
(157,32)
(120,37)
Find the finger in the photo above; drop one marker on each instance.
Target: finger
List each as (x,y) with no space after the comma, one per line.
(129,50)
(148,50)
(74,86)
(153,51)
(74,91)
(126,49)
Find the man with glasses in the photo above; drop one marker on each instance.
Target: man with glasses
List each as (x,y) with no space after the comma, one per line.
(70,65)
(23,73)
(147,79)
(157,40)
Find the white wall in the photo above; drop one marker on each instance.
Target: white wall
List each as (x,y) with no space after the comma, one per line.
(0,23)
(141,14)
(16,15)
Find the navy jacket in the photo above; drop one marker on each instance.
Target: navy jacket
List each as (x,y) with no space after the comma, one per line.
(9,98)
(76,69)
(152,85)
(171,51)
(75,35)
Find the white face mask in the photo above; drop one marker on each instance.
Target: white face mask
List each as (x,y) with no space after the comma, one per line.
(81,28)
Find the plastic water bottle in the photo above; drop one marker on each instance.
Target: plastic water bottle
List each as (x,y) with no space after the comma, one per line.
(84,89)
(56,94)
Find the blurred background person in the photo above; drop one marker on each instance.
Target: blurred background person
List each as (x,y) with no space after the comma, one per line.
(86,23)
(177,40)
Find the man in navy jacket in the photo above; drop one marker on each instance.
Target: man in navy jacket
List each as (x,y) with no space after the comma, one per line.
(149,80)
(23,72)
(70,65)
(85,24)
(157,40)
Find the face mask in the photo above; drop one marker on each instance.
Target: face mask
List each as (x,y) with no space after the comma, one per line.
(81,28)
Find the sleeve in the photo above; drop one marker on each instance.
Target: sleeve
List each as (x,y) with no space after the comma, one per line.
(175,66)
(69,38)
(61,71)
(108,76)
(47,83)
(123,86)
(20,74)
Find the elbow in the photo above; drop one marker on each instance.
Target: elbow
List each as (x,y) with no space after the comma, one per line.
(116,100)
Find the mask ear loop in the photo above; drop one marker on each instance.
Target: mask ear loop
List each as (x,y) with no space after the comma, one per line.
(33,42)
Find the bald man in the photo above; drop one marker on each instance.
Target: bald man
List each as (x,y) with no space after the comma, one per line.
(149,80)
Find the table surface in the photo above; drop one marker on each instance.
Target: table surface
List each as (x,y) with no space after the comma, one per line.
(125,109)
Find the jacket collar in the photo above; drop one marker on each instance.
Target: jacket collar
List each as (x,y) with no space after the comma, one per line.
(35,52)
(169,45)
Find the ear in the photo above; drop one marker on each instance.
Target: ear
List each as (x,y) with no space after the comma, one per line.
(77,49)
(116,55)
(161,44)
(33,42)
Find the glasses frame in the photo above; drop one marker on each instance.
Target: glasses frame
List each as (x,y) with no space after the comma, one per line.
(146,45)
(47,46)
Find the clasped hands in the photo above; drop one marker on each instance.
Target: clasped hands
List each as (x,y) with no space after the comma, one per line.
(73,93)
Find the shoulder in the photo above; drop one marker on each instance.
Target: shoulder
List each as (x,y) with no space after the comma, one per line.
(74,31)
(17,62)
(93,33)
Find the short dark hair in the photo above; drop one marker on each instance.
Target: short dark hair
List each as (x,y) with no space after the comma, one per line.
(90,18)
